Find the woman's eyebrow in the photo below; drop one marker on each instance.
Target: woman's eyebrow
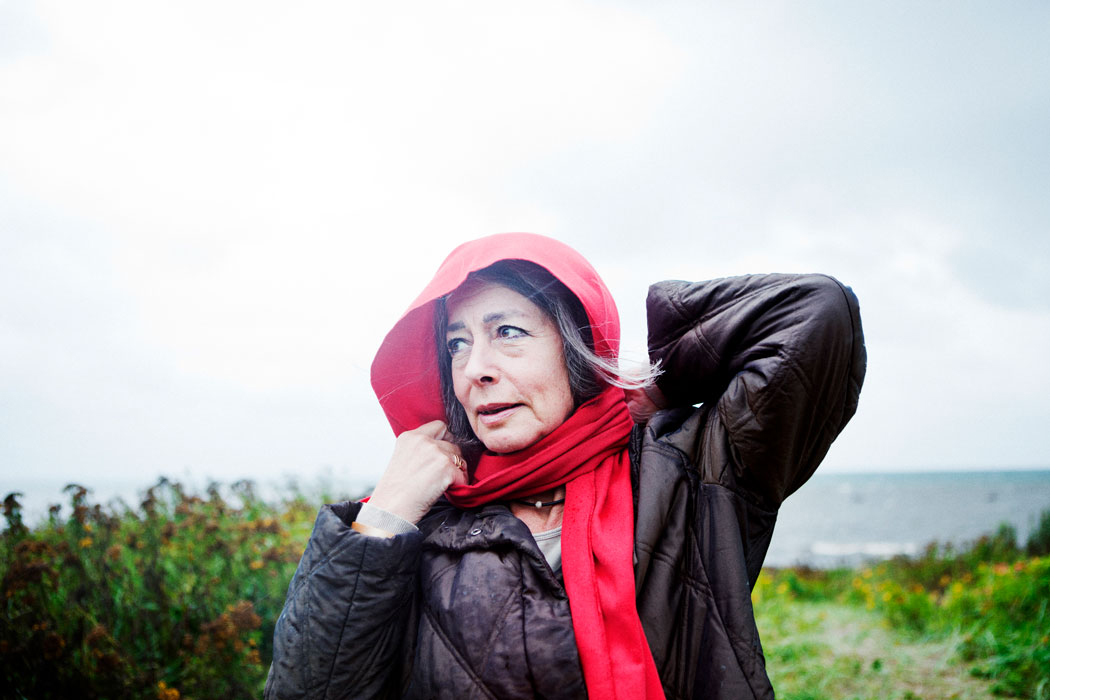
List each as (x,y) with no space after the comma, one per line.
(495,316)
(489,319)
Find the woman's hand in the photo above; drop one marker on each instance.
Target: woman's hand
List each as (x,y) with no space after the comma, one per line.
(425,463)
(643,403)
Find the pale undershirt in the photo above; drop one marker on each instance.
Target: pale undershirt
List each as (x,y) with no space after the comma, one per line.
(550,544)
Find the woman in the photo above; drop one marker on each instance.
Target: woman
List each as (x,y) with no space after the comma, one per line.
(512,422)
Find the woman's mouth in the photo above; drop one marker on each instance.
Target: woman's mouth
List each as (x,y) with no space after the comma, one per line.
(494,413)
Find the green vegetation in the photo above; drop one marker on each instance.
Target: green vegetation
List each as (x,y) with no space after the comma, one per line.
(178,599)
(984,609)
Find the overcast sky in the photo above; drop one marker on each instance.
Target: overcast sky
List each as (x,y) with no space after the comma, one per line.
(211,212)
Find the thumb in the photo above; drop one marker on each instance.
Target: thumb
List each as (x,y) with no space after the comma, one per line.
(436,430)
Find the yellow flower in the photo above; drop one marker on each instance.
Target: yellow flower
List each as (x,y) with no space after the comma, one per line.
(258,564)
(886,596)
(86,542)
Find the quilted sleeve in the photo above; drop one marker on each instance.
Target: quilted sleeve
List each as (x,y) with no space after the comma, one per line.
(349,604)
(781,359)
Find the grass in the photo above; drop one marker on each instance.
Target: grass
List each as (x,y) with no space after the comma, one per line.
(178,599)
(819,650)
(965,623)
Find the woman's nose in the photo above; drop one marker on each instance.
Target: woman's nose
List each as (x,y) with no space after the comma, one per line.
(481,366)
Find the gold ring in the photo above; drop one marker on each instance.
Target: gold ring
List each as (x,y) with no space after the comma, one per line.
(458,461)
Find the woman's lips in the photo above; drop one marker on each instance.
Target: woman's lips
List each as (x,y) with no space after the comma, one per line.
(494,414)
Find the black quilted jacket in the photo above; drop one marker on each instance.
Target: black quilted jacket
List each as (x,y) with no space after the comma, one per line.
(764,370)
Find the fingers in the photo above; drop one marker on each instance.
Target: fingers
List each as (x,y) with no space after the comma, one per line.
(436,429)
(423,466)
(462,476)
(436,445)
(445,442)
(640,405)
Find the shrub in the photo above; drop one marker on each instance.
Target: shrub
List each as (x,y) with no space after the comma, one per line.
(175,599)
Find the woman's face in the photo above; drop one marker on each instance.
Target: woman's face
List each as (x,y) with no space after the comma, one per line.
(507,365)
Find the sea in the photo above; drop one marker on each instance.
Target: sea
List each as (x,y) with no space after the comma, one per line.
(833,520)
(849,519)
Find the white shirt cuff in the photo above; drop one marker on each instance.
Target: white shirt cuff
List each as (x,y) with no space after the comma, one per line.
(383,520)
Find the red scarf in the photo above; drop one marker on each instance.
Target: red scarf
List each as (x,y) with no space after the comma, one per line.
(587,453)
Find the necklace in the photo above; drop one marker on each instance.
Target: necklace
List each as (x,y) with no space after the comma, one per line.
(540,504)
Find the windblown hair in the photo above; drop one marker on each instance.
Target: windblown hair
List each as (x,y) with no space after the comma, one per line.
(588,372)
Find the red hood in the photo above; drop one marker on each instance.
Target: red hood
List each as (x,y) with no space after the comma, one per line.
(404,373)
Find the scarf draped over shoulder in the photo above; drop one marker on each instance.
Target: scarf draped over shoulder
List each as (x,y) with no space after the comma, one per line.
(587,453)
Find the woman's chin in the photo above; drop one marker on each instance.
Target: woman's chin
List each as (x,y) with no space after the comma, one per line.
(508,443)
(505,448)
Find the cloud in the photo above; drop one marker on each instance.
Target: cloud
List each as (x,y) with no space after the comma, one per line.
(212,212)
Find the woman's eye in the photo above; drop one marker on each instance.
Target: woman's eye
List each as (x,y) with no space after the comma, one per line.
(455,346)
(510,332)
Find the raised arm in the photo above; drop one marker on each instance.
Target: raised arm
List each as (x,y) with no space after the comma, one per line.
(781,358)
